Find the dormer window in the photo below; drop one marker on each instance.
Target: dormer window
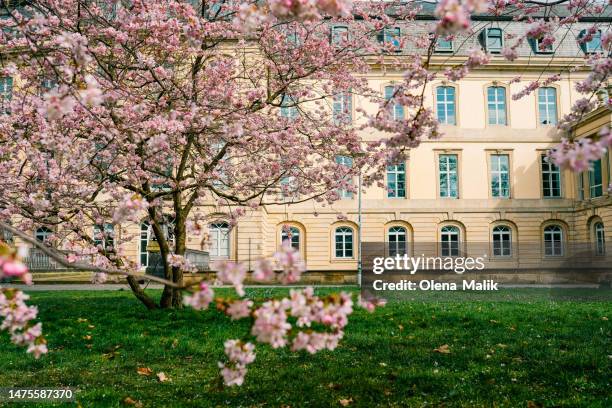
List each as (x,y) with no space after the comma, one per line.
(443,44)
(492,39)
(339,34)
(540,48)
(390,36)
(591,46)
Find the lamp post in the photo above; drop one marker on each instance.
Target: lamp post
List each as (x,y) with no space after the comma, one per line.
(359,265)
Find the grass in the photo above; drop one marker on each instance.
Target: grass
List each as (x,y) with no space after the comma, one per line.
(532,351)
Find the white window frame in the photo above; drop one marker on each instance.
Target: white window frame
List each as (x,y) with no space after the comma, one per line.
(549,106)
(549,171)
(397,109)
(399,244)
(497,174)
(503,235)
(600,238)
(496,104)
(343,108)
(445,158)
(344,235)
(296,239)
(219,239)
(554,234)
(449,247)
(396,171)
(446,103)
(346,161)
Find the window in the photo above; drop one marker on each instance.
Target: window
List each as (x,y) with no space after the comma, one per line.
(553,241)
(397,241)
(6,94)
(396,181)
(390,36)
(580,184)
(288,107)
(492,39)
(397,109)
(106,238)
(540,48)
(500,175)
(591,46)
(595,179)
(600,240)
(445,105)
(496,103)
(348,162)
(344,242)
(449,181)
(443,44)
(502,241)
(43,234)
(343,108)
(291,234)
(449,241)
(339,34)
(547,106)
(551,178)
(219,239)
(144,243)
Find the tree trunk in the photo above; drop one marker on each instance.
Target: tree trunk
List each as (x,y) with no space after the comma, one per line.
(140,294)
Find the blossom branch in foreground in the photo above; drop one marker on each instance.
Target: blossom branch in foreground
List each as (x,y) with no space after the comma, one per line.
(303,320)
(17,315)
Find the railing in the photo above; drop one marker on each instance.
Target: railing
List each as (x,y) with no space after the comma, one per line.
(38,261)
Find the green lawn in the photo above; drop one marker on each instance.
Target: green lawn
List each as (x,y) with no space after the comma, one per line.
(532,351)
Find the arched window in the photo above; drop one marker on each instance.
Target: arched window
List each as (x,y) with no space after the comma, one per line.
(105,238)
(397,238)
(219,239)
(449,240)
(291,234)
(553,240)
(502,241)
(600,238)
(146,235)
(344,242)
(42,234)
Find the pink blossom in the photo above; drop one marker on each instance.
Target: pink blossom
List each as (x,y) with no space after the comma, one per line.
(200,298)
(239,355)
(182,263)
(263,270)
(130,208)
(290,262)
(233,273)
(17,320)
(239,309)
(271,324)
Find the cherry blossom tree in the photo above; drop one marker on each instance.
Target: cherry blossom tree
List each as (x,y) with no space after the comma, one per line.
(123,111)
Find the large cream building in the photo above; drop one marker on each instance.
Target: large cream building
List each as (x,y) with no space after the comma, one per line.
(485,181)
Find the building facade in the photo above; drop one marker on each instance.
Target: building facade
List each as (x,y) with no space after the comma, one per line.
(486,181)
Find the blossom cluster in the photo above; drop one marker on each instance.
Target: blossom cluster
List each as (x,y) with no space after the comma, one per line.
(181,262)
(579,154)
(239,355)
(130,208)
(17,320)
(201,298)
